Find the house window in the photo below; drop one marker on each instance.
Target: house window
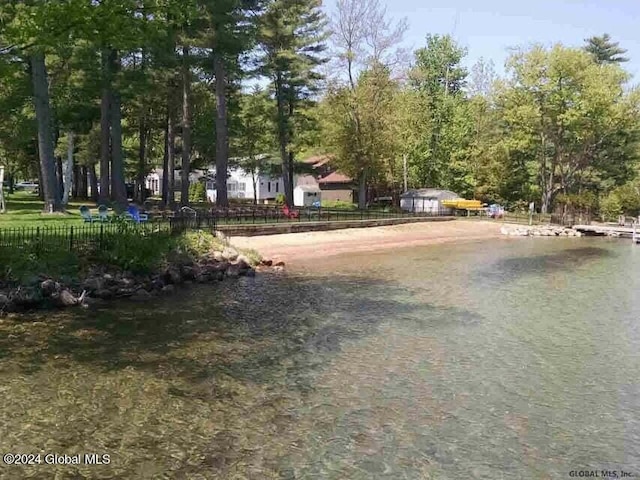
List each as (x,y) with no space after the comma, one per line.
(210,186)
(277,185)
(269,186)
(242,187)
(232,187)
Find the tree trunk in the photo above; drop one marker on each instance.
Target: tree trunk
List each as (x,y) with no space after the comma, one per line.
(288,187)
(40,182)
(171,155)
(67,171)
(60,177)
(142,157)
(75,182)
(48,184)
(222,136)
(165,164)
(283,139)
(105,129)
(362,190)
(255,186)
(83,185)
(119,192)
(186,126)
(93,182)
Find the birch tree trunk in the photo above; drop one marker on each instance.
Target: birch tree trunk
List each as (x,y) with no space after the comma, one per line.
(67,169)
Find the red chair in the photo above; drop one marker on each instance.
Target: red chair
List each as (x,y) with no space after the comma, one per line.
(290,213)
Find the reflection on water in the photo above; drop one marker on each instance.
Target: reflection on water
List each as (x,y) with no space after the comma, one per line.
(509,359)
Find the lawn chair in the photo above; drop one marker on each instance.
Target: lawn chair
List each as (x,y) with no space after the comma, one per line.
(85,213)
(103,213)
(290,213)
(135,215)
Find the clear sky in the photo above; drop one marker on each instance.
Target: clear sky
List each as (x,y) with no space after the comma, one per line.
(487,28)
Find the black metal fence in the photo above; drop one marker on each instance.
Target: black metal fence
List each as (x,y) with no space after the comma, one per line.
(76,238)
(98,236)
(265,214)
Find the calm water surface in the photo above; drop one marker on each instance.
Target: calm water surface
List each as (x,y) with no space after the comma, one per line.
(508,359)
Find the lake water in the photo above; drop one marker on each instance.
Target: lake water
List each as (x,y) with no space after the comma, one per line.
(515,359)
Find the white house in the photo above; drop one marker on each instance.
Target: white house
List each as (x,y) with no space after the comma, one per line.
(240,185)
(306,195)
(154,179)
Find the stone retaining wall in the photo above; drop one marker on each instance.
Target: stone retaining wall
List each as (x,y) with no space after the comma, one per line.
(296,227)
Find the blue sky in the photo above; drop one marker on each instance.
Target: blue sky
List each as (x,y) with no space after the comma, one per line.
(487,28)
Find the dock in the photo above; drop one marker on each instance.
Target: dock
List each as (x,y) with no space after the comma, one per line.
(608,230)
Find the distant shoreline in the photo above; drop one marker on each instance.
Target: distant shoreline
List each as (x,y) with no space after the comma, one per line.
(292,247)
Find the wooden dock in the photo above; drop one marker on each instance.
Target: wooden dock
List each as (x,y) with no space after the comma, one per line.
(609,230)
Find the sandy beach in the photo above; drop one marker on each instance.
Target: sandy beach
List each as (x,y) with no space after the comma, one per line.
(292,246)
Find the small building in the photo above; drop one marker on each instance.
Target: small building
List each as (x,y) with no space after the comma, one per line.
(337,187)
(427,200)
(307,196)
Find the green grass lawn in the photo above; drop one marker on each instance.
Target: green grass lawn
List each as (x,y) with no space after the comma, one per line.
(24,209)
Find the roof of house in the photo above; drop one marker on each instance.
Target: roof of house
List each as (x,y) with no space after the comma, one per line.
(429,193)
(336,177)
(308,188)
(317,160)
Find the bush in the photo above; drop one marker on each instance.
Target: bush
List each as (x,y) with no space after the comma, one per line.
(196,244)
(610,207)
(197,192)
(339,205)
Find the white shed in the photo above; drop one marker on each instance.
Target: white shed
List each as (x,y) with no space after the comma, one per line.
(306,195)
(427,200)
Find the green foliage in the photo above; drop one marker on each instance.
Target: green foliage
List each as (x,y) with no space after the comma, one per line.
(197,192)
(197,244)
(610,207)
(339,205)
(604,50)
(566,120)
(628,197)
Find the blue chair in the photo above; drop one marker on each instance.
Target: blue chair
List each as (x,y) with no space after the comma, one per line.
(135,215)
(103,213)
(85,213)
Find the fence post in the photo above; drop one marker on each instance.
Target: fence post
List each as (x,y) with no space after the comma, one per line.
(101,245)
(71,240)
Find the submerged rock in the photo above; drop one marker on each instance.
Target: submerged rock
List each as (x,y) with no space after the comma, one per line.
(49,287)
(104,294)
(141,295)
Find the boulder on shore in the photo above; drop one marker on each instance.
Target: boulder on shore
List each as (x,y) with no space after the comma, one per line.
(65,299)
(49,287)
(230,254)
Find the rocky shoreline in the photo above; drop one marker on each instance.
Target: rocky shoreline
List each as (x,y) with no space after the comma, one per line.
(538,231)
(103,284)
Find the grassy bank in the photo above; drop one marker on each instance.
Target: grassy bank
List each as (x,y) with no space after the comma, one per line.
(24,209)
(129,247)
